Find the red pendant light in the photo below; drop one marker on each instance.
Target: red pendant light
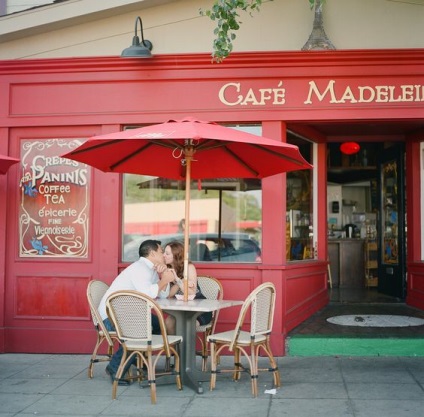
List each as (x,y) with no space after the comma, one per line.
(349,148)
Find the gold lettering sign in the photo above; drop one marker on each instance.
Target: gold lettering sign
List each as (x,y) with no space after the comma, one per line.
(365,94)
(325,92)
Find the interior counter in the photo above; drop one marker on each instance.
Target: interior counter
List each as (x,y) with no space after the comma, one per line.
(346,258)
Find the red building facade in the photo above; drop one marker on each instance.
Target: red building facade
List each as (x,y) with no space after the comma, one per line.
(54,102)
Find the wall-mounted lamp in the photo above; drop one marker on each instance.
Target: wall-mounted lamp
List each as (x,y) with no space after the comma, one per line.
(349,148)
(137,49)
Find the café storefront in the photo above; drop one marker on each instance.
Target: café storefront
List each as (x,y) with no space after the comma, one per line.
(64,223)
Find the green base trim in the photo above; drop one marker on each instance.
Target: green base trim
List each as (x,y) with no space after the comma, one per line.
(352,346)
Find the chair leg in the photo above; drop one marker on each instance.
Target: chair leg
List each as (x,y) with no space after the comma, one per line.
(114,389)
(140,375)
(277,380)
(120,372)
(237,365)
(167,364)
(151,377)
(273,365)
(177,367)
(254,370)
(213,366)
(115,382)
(205,352)
(94,358)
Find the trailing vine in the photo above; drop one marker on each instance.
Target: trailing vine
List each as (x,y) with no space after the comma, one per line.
(226,15)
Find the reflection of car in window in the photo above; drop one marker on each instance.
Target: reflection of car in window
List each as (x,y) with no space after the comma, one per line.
(206,247)
(200,252)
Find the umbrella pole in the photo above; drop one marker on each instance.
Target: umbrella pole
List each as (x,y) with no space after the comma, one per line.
(188,158)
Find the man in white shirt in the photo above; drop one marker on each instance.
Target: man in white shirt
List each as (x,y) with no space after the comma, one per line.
(148,275)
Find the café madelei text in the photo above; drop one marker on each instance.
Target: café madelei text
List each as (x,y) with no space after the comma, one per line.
(236,94)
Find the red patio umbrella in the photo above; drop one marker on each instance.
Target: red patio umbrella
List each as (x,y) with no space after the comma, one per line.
(6,162)
(189,149)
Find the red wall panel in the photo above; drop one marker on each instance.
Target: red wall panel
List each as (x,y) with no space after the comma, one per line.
(51,297)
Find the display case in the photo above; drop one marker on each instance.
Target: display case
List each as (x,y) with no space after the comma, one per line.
(371,262)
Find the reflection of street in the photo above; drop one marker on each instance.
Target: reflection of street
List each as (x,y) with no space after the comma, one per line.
(157,214)
(163,217)
(206,247)
(160,220)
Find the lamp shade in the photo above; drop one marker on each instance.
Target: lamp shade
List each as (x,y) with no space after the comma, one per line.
(349,148)
(137,49)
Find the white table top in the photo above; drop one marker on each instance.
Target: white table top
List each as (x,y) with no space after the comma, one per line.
(195,305)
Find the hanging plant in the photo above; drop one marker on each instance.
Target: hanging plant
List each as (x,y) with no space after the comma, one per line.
(226,15)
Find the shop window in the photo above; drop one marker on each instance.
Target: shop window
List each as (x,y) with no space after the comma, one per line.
(300,214)
(225,215)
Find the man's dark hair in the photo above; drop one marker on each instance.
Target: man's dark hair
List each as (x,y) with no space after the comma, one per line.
(147,246)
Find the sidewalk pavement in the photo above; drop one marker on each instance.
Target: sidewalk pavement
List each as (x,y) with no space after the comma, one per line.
(57,385)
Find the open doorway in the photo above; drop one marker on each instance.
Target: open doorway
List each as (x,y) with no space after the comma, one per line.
(358,214)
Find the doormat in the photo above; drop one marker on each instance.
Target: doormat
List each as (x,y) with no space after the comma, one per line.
(376,320)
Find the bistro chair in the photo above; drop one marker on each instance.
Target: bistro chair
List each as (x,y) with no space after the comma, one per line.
(260,303)
(95,291)
(131,313)
(212,289)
